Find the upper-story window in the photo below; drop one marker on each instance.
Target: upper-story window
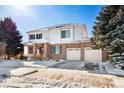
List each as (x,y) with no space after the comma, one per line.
(39,36)
(65,34)
(32,36)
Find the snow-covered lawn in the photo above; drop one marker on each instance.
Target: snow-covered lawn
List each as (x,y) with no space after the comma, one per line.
(44,76)
(18,63)
(59,78)
(114,71)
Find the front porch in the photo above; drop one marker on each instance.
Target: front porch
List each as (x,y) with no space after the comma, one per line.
(38,51)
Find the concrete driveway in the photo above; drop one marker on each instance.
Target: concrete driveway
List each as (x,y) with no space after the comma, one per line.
(68,65)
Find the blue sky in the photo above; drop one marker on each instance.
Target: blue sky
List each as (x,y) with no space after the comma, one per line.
(36,17)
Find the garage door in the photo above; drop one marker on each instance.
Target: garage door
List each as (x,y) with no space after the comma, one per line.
(93,55)
(73,54)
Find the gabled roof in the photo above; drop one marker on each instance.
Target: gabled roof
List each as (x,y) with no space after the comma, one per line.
(52,27)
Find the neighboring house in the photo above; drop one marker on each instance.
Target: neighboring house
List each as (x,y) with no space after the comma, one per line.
(64,41)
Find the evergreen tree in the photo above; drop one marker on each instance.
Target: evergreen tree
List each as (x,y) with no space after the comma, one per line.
(13,38)
(100,28)
(108,32)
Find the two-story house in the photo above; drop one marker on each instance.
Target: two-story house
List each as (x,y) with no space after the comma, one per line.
(64,41)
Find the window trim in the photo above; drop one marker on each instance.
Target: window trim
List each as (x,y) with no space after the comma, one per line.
(65,32)
(38,36)
(32,36)
(57,49)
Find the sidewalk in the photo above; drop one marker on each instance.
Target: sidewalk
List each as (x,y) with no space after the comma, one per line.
(114,71)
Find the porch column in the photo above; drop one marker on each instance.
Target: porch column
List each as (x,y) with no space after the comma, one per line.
(82,52)
(104,55)
(83,45)
(25,50)
(34,50)
(45,51)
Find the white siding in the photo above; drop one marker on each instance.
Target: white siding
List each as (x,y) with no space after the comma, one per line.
(45,35)
(25,50)
(54,34)
(71,33)
(78,33)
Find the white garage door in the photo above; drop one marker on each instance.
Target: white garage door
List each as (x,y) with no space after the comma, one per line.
(93,55)
(73,54)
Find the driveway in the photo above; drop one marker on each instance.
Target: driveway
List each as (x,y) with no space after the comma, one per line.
(68,65)
(6,66)
(92,67)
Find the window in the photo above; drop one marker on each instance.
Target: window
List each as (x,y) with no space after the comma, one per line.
(31,36)
(38,36)
(65,34)
(87,48)
(56,49)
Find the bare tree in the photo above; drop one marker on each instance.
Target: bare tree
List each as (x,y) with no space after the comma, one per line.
(2,49)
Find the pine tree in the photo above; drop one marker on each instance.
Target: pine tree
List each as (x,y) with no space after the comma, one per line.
(108,32)
(116,48)
(100,28)
(13,38)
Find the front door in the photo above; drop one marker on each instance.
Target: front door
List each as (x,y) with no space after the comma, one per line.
(39,54)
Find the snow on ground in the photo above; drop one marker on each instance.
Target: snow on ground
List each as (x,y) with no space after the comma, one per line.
(59,78)
(114,71)
(24,82)
(49,77)
(69,65)
(46,64)
(10,63)
(18,63)
(23,71)
(76,76)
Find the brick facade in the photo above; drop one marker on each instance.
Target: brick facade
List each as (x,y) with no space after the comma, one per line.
(47,50)
(82,46)
(62,55)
